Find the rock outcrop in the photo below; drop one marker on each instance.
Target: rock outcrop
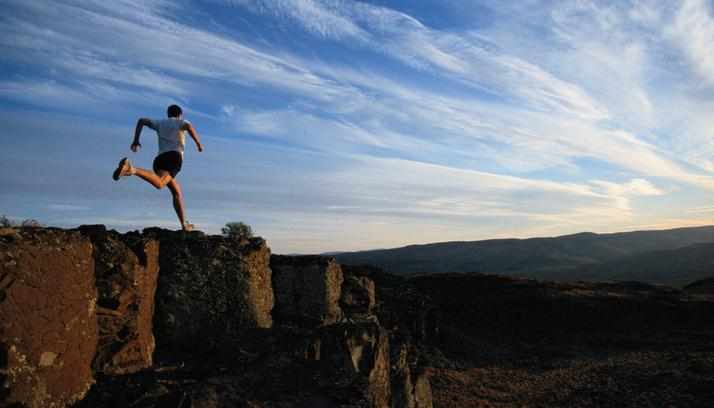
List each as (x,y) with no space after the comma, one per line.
(210,289)
(48,321)
(410,319)
(126,269)
(307,290)
(163,318)
(410,385)
(359,352)
(358,298)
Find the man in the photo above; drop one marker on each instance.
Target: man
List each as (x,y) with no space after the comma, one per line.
(168,162)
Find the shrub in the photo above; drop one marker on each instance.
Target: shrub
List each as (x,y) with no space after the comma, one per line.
(30,223)
(237,230)
(27,223)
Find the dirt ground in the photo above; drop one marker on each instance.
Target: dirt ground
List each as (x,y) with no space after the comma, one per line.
(629,379)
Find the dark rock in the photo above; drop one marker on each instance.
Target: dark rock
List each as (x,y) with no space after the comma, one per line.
(410,385)
(48,325)
(10,234)
(307,290)
(701,287)
(412,319)
(531,309)
(423,397)
(358,294)
(205,397)
(210,289)
(126,271)
(409,313)
(359,352)
(209,306)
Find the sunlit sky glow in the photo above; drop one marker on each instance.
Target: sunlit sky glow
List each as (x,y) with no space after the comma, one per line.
(345,125)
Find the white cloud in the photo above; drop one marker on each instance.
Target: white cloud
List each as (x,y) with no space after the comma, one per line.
(320,18)
(622,193)
(95,45)
(574,119)
(693,30)
(67,207)
(467,125)
(645,12)
(479,64)
(293,125)
(84,96)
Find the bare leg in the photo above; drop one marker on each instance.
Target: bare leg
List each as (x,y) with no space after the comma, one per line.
(178,200)
(159,180)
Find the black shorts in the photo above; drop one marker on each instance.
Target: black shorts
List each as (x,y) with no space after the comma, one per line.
(168,161)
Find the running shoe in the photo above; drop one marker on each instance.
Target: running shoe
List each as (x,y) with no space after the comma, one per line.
(123,169)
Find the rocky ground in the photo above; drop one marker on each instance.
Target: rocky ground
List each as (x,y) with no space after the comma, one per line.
(502,342)
(167,319)
(263,368)
(615,379)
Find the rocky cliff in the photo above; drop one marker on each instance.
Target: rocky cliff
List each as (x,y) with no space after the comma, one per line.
(48,317)
(94,318)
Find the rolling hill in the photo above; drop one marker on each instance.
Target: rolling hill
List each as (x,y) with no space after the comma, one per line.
(640,255)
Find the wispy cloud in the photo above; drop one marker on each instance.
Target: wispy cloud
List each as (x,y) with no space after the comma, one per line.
(468,58)
(68,207)
(692,29)
(553,117)
(319,18)
(80,47)
(285,124)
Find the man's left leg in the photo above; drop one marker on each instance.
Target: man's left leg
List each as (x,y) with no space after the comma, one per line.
(175,188)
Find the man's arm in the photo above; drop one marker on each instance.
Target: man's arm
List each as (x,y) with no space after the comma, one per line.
(137,132)
(191,131)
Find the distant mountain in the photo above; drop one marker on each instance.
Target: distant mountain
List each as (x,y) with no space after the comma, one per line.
(701,287)
(675,267)
(586,256)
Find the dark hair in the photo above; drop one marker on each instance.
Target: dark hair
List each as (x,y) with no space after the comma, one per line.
(174,111)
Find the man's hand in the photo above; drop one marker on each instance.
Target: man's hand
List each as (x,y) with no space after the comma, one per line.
(199,146)
(135,147)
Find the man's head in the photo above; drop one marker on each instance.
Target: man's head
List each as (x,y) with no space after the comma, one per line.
(174,111)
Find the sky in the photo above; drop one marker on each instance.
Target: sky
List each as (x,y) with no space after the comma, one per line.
(336,125)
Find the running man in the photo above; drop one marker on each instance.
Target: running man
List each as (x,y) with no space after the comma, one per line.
(168,162)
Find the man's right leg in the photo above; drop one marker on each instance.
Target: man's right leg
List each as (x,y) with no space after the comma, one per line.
(158,180)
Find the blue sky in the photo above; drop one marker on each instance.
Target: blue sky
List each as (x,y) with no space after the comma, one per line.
(345,125)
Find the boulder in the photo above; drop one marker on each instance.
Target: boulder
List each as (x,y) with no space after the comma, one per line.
(410,386)
(359,353)
(48,322)
(210,288)
(358,295)
(307,290)
(126,268)
(423,397)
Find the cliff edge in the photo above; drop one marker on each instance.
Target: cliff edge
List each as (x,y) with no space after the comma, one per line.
(95,318)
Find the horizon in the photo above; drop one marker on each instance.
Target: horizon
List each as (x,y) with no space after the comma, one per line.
(17,223)
(344,126)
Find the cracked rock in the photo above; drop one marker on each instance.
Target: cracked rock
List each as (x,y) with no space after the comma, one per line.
(48,325)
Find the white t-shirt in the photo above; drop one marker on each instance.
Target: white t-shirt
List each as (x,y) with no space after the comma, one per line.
(171,137)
